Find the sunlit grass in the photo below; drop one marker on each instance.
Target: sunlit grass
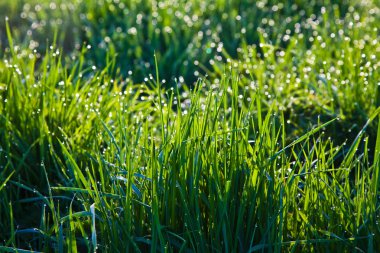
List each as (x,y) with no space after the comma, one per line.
(274,148)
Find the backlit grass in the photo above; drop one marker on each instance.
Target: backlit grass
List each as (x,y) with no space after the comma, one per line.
(266,140)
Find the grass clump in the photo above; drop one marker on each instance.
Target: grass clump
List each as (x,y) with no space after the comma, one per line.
(276,149)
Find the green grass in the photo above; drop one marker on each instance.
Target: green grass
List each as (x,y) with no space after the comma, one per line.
(272,146)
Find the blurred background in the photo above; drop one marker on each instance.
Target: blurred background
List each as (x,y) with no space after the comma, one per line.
(187,36)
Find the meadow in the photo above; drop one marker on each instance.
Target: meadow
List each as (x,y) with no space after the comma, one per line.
(189,126)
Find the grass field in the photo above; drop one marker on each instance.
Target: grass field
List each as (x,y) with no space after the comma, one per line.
(189,126)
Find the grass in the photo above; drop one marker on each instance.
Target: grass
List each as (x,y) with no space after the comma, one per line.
(266,140)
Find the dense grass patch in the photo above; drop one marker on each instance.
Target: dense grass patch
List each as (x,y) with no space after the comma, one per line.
(182,33)
(231,126)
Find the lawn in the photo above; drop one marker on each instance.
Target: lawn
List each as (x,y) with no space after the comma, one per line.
(189,126)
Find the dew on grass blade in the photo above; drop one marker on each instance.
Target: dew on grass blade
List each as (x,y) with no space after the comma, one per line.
(93,228)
